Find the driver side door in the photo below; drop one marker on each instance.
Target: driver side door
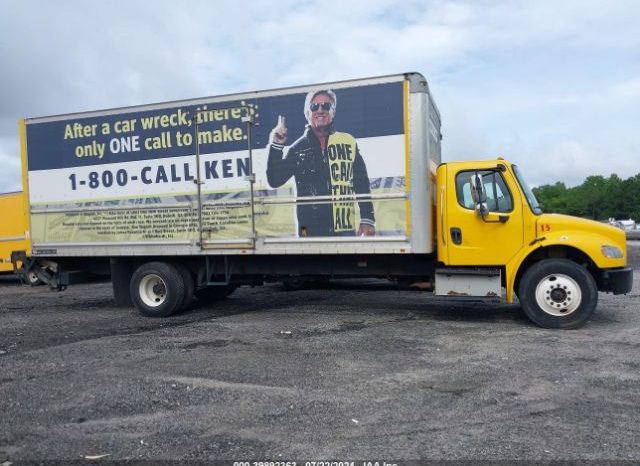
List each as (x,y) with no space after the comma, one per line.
(472,239)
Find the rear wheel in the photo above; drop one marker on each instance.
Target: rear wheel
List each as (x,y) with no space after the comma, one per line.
(189,285)
(157,289)
(558,293)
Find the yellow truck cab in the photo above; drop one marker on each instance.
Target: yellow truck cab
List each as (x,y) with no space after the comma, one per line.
(487,217)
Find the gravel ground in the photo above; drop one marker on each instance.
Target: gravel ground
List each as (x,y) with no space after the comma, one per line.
(359,371)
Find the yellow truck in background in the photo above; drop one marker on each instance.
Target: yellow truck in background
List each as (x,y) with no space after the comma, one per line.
(331,180)
(15,242)
(14,232)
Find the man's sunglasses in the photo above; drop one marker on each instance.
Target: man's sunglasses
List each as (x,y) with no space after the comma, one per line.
(325,106)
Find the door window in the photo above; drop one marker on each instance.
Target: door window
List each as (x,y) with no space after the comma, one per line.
(499,198)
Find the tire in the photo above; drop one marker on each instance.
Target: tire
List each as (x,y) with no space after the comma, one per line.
(558,293)
(33,279)
(189,285)
(157,289)
(215,293)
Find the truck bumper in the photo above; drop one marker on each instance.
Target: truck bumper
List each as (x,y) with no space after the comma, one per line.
(616,281)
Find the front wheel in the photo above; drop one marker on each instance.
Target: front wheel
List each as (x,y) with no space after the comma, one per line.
(558,293)
(157,289)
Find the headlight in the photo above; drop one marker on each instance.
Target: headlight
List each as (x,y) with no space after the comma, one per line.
(612,252)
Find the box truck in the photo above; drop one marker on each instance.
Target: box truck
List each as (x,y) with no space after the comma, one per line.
(329,180)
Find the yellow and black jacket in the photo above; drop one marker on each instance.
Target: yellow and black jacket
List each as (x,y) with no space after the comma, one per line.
(338,173)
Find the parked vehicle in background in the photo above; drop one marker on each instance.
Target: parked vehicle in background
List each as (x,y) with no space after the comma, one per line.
(14,236)
(628,224)
(14,233)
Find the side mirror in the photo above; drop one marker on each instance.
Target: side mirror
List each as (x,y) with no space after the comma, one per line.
(482,209)
(478,194)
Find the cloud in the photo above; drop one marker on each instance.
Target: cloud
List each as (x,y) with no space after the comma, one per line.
(576,161)
(10,175)
(522,79)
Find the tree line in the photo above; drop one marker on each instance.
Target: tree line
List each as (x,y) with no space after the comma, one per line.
(598,198)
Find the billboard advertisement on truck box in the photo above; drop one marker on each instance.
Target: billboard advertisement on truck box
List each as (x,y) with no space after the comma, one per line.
(311,162)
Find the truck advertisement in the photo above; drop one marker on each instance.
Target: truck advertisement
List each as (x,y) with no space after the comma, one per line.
(323,162)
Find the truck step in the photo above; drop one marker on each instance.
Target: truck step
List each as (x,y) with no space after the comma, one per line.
(462,282)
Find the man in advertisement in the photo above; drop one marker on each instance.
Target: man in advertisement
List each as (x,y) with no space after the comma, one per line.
(328,169)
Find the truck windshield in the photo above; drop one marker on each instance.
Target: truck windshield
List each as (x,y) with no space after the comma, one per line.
(531,198)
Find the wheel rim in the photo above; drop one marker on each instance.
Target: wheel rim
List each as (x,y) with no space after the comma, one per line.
(33,278)
(152,290)
(558,295)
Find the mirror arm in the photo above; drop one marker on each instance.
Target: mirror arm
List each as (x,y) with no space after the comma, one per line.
(501,219)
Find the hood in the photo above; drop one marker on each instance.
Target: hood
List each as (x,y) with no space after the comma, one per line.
(550,223)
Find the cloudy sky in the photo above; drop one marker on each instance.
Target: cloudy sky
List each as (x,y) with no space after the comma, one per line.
(553,85)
